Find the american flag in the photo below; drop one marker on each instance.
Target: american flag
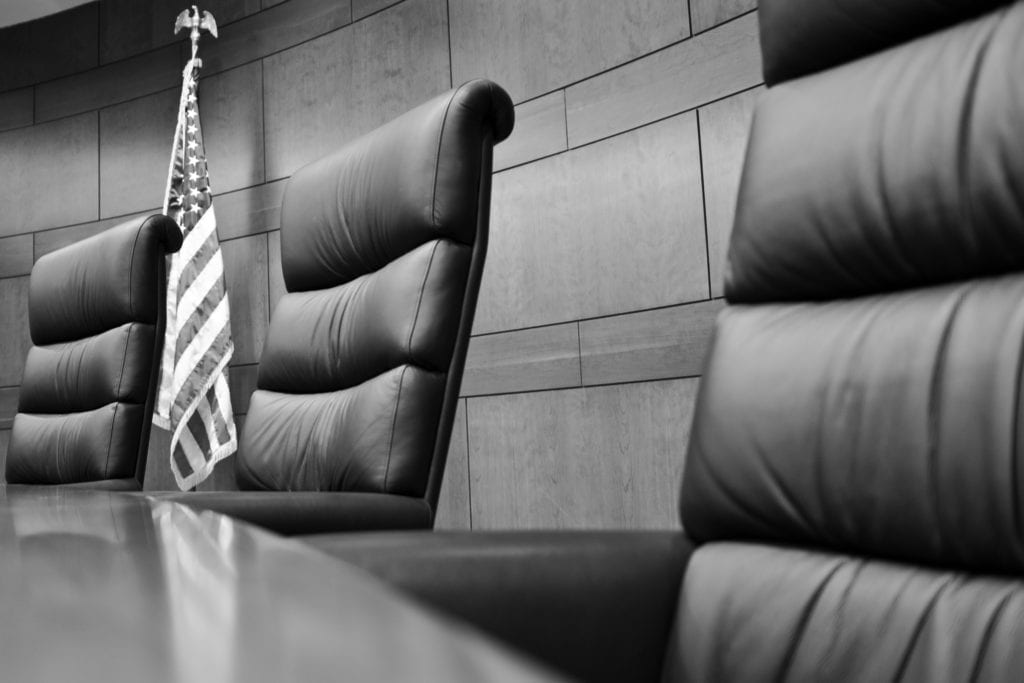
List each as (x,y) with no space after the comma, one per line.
(193,401)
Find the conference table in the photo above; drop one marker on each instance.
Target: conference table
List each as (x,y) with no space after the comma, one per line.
(103,586)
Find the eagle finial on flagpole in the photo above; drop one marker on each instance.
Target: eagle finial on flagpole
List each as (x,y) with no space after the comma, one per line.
(196,23)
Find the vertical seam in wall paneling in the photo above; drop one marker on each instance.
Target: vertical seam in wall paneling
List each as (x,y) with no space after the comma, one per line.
(703,200)
(565,117)
(263,116)
(469,478)
(689,17)
(448,20)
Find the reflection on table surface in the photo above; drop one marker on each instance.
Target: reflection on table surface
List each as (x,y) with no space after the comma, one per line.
(105,586)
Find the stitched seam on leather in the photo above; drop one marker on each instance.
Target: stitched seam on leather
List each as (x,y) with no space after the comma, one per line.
(117,398)
(419,301)
(394,422)
(437,158)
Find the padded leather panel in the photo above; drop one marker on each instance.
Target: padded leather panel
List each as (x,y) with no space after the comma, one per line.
(799,37)
(57,449)
(885,425)
(407,312)
(367,438)
(391,190)
(82,375)
(896,171)
(307,512)
(101,282)
(582,602)
(751,612)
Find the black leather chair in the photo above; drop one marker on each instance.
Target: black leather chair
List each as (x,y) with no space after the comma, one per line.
(851,500)
(96,313)
(382,248)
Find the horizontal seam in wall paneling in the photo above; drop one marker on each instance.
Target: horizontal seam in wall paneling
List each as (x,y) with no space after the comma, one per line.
(691,302)
(577,387)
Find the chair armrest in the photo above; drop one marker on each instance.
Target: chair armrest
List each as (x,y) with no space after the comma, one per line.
(596,605)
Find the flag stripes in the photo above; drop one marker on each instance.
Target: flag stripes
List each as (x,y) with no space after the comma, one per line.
(194,403)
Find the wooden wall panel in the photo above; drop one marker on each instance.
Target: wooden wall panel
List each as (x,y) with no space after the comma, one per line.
(245,275)
(523,360)
(705,68)
(607,457)
(14,335)
(453,507)
(242,382)
(725,127)
(658,344)
(611,227)
(708,13)
(332,89)
(117,82)
(249,211)
(275,29)
(539,131)
(276,277)
(364,8)
(15,255)
(135,145)
(16,108)
(48,48)
(534,46)
(55,183)
(8,406)
(231,110)
(5,441)
(158,475)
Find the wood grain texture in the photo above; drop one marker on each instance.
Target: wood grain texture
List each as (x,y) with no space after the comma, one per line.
(245,275)
(50,159)
(708,13)
(659,344)
(724,129)
(158,476)
(688,74)
(129,27)
(241,382)
(249,211)
(539,131)
(117,82)
(453,504)
(523,360)
(276,276)
(274,29)
(14,335)
(51,240)
(600,457)
(231,110)
(611,227)
(364,8)
(16,108)
(8,406)
(15,255)
(135,145)
(50,47)
(532,47)
(337,87)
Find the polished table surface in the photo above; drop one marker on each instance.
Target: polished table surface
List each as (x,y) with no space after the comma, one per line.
(98,586)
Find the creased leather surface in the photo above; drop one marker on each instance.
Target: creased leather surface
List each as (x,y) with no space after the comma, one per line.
(410,181)
(884,425)
(345,335)
(759,613)
(81,446)
(897,171)
(358,439)
(94,313)
(799,37)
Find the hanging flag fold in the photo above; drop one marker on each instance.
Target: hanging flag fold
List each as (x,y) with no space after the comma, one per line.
(193,402)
